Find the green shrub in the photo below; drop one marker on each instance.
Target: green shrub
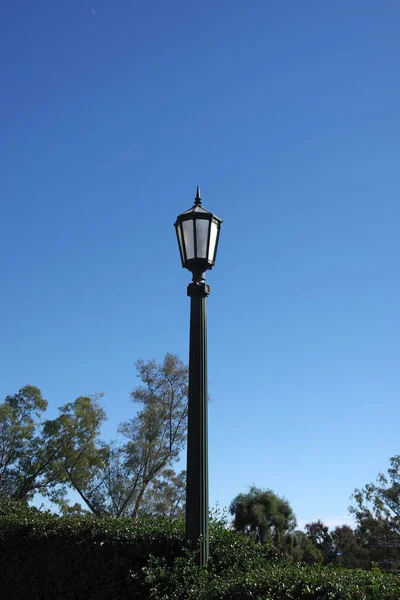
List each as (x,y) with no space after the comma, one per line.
(43,556)
(184,581)
(240,569)
(46,556)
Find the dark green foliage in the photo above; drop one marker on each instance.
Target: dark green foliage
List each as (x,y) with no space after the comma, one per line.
(184,581)
(351,550)
(43,556)
(46,556)
(301,549)
(319,535)
(263,515)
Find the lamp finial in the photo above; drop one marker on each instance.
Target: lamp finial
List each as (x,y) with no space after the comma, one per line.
(197,200)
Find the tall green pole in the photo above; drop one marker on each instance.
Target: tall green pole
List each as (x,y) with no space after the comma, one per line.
(197,447)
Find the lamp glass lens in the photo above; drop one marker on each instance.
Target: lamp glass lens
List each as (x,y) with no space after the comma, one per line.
(188,236)
(179,232)
(213,241)
(202,226)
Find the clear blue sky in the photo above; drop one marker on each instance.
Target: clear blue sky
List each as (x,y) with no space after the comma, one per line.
(287,115)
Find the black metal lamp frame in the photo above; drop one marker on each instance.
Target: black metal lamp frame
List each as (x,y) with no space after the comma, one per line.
(197,445)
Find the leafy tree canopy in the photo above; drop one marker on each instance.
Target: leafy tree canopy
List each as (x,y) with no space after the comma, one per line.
(376,506)
(53,457)
(263,514)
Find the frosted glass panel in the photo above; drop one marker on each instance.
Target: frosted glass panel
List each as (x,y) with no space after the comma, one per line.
(202,237)
(188,236)
(213,241)
(179,232)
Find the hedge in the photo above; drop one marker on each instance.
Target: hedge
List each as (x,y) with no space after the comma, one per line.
(43,556)
(47,556)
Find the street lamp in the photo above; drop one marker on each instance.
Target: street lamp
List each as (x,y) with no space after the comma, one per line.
(198,233)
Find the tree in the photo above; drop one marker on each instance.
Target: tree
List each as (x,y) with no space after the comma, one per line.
(343,546)
(378,503)
(55,456)
(82,460)
(27,448)
(113,478)
(165,496)
(157,434)
(262,514)
(49,456)
(376,508)
(301,549)
(350,552)
(319,535)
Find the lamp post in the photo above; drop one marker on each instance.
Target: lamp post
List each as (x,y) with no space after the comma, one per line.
(198,233)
